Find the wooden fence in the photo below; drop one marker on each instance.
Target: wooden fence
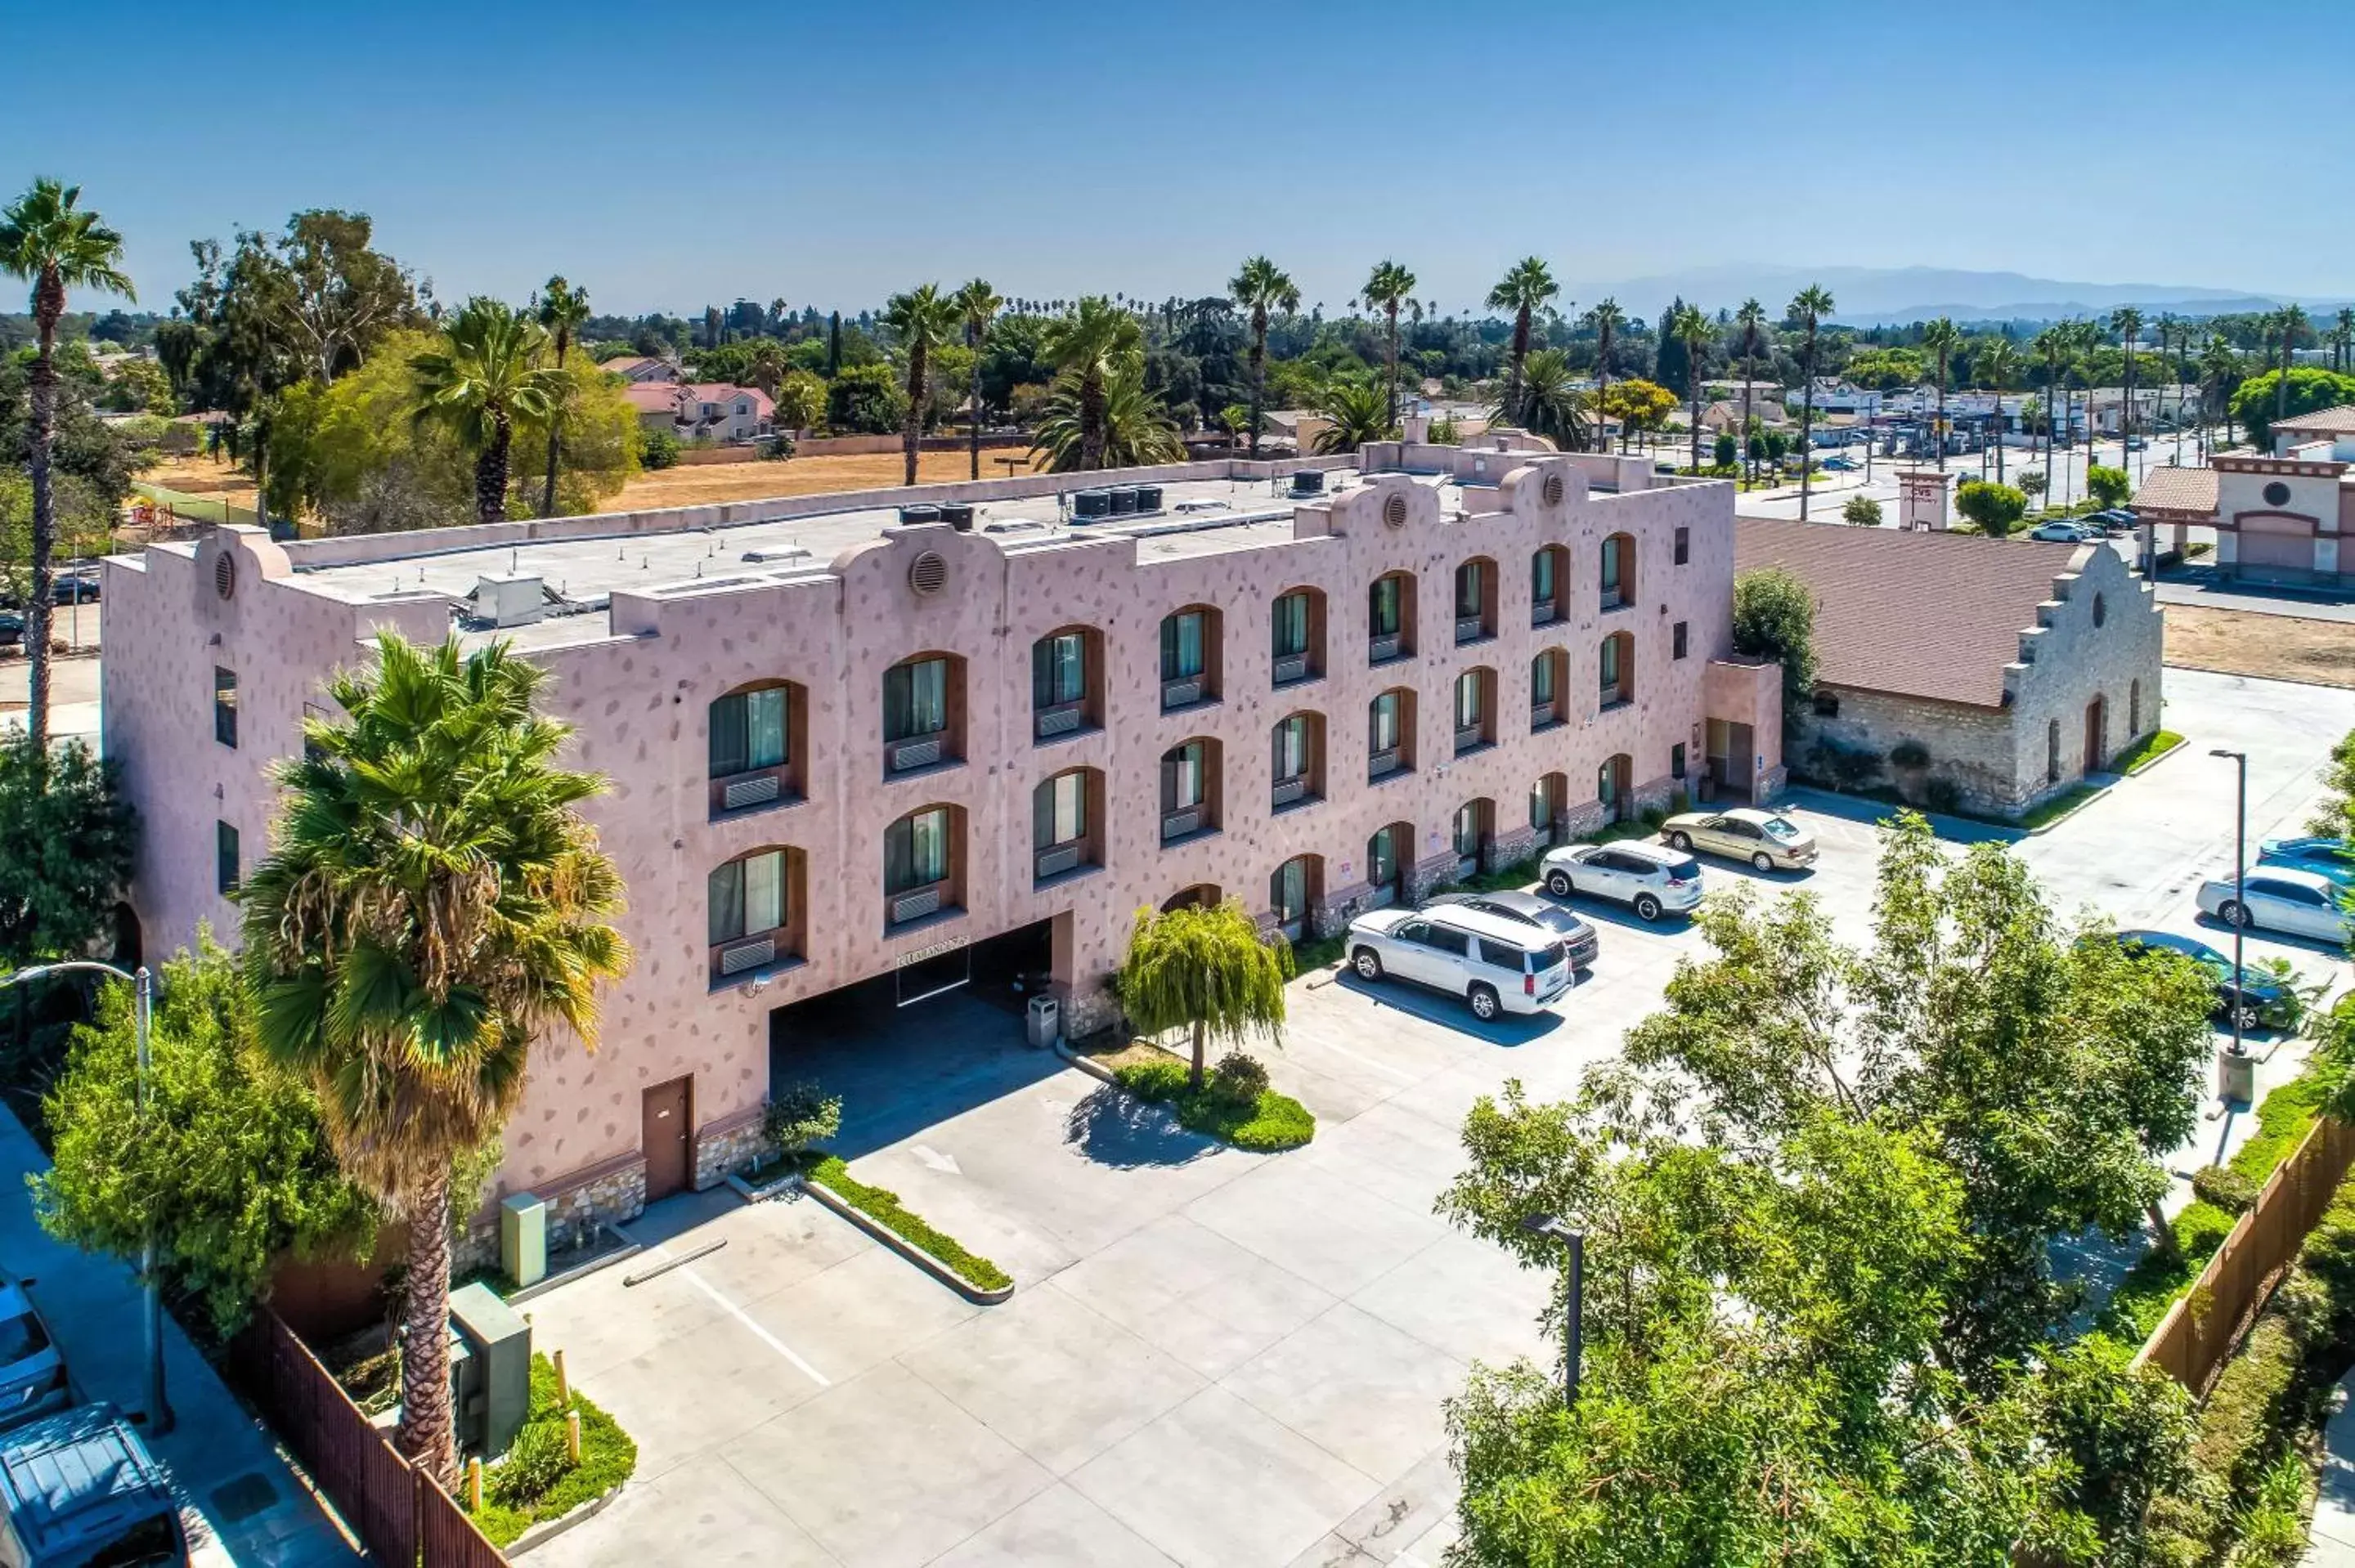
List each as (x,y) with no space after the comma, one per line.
(402,1518)
(2196,1338)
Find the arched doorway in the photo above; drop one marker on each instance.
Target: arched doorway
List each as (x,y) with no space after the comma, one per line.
(1293,893)
(1388,854)
(1201,895)
(1615,786)
(2096,737)
(1550,808)
(1472,834)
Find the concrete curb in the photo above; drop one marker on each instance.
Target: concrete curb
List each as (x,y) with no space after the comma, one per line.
(902,1246)
(548,1529)
(1091,1067)
(580,1271)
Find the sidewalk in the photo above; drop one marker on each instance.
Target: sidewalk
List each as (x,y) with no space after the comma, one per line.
(2330,1541)
(240,1501)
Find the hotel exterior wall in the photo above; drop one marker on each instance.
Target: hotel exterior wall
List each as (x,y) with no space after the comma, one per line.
(639,698)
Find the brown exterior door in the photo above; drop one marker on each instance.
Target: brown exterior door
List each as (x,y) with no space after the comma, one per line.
(667,1136)
(2096,753)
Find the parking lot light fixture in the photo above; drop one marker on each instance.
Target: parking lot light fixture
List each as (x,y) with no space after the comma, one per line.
(2240,872)
(1574,1241)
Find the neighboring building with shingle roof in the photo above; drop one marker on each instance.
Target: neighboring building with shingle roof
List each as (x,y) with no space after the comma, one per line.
(2019,666)
(2337,421)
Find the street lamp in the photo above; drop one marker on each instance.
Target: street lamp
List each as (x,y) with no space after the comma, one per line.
(2240,896)
(1549,1227)
(143,985)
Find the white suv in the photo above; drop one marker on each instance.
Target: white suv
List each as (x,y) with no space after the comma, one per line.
(1496,965)
(1649,878)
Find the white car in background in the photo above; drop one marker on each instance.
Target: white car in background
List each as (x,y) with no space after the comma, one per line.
(2278,899)
(1650,879)
(1495,964)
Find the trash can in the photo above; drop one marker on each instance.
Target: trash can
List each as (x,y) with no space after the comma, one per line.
(1044,1021)
(2236,1076)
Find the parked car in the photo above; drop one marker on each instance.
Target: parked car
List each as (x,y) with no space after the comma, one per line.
(1565,926)
(1839,464)
(1767,840)
(79,1488)
(32,1370)
(74,587)
(1649,878)
(1496,965)
(2059,532)
(2259,996)
(2278,899)
(2332,858)
(12,627)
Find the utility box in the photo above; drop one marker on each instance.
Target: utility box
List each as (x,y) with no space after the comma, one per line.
(522,1238)
(2236,1076)
(510,598)
(1044,1021)
(490,1370)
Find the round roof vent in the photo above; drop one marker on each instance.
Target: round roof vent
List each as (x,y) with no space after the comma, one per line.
(928,573)
(1551,490)
(224,574)
(1394,510)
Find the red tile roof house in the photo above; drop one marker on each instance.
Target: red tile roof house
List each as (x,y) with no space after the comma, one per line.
(2280,520)
(2019,666)
(706,411)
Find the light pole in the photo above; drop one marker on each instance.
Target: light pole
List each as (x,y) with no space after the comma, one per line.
(2239,869)
(142,986)
(1549,1227)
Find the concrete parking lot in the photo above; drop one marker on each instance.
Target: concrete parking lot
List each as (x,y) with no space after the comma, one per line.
(1214,1358)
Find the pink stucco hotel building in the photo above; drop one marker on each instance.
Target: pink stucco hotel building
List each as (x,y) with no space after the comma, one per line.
(909,738)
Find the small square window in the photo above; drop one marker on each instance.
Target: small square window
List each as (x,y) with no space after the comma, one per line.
(1826,705)
(1683,546)
(1678,639)
(225,866)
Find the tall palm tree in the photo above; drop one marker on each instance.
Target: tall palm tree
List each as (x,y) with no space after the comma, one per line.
(921,319)
(1940,339)
(1130,426)
(2219,369)
(1093,345)
(562,308)
(1998,362)
(1553,405)
(2053,342)
(1358,413)
(1522,291)
(432,904)
(1809,308)
(1606,318)
(1752,319)
(2126,322)
(1388,287)
(48,239)
(2291,323)
(977,305)
(2342,339)
(1691,324)
(487,371)
(1261,287)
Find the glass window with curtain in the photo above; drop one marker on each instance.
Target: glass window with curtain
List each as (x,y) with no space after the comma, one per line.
(1381,858)
(1384,722)
(915,699)
(748,897)
(1611,569)
(1467,700)
(225,706)
(1542,578)
(1467,831)
(1058,670)
(1059,810)
(748,731)
(1469,595)
(1610,663)
(1182,645)
(1291,758)
(1183,777)
(1287,892)
(916,851)
(1289,625)
(1383,605)
(1541,680)
(1541,805)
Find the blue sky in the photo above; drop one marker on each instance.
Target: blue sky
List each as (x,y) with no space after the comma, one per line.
(667,155)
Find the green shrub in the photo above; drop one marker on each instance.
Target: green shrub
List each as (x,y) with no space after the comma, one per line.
(884,1208)
(1240,1078)
(1154,1081)
(2223,1187)
(534,1463)
(800,1114)
(657,449)
(608,1457)
(1265,1122)
(777,448)
(2200,1229)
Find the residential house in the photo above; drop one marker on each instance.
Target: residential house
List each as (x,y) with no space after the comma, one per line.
(640,368)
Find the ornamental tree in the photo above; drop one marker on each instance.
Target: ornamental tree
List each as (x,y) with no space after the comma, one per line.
(1206,971)
(1996,508)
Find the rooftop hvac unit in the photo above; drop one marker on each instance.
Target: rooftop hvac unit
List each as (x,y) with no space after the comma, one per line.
(1308,482)
(958,515)
(1123,500)
(1148,498)
(1092,504)
(510,598)
(912,514)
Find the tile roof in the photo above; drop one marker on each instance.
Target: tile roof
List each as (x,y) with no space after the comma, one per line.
(2173,489)
(652,397)
(1914,615)
(2338,421)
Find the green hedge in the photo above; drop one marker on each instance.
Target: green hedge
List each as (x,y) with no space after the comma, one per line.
(883,1206)
(608,1457)
(1263,1124)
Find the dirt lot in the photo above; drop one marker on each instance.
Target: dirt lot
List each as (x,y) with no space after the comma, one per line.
(686,485)
(2275,647)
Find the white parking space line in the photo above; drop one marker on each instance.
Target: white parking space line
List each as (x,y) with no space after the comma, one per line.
(763,1335)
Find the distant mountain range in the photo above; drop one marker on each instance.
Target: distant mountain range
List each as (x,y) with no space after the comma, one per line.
(1873,296)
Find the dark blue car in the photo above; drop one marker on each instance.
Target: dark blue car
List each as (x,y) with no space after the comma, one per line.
(2261,997)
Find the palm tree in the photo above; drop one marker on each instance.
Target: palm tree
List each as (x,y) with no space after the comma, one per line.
(486,372)
(1998,362)
(766,365)
(1606,318)
(1752,319)
(1387,288)
(978,304)
(563,307)
(1941,338)
(921,319)
(1553,405)
(1262,289)
(50,242)
(1092,346)
(1691,323)
(1359,411)
(1809,308)
(2291,323)
(1206,971)
(1522,291)
(2126,322)
(2053,342)
(1130,426)
(2220,368)
(431,907)
(2343,340)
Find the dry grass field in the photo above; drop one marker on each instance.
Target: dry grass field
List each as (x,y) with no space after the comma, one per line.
(2272,647)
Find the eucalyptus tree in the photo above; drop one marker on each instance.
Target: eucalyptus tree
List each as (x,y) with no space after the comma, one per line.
(1807,309)
(1388,288)
(562,308)
(1940,339)
(1262,289)
(50,240)
(977,305)
(1524,290)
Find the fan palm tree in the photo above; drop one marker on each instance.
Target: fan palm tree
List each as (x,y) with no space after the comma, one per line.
(1359,411)
(1092,346)
(562,308)
(1606,318)
(1127,423)
(1752,319)
(431,907)
(1387,288)
(921,319)
(48,239)
(1553,405)
(2291,323)
(1523,290)
(1998,362)
(1693,326)
(1260,289)
(1807,309)
(485,373)
(977,305)
(2219,371)
(2126,322)
(1940,339)
(2343,340)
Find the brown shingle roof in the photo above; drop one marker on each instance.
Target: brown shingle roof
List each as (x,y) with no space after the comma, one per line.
(1914,615)
(2338,421)
(2173,489)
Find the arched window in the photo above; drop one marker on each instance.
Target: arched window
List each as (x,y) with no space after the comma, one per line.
(1550,807)
(1293,893)
(1472,834)
(755,746)
(752,908)
(1389,733)
(1390,854)
(1296,636)
(1475,599)
(1189,657)
(1614,788)
(1201,895)
(1476,709)
(1549,689)
(1066,682)
(1390,618)
(1618,571)
(923,864)
(923,711)
(1618,669)
(1189,789)
(1296,761)
(1066,811)
(1548,584)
